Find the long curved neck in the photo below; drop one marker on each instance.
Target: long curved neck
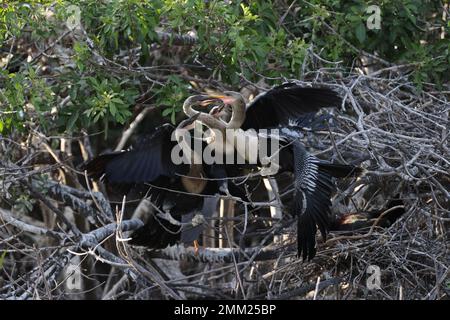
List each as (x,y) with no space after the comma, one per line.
(187,108)
(208,120)
(232,119)
(237,114)
(212,122)
(193,181)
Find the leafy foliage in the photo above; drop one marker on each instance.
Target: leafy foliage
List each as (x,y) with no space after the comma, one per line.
(2,258)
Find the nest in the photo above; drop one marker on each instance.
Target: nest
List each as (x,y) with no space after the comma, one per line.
(400,137)
(398,134)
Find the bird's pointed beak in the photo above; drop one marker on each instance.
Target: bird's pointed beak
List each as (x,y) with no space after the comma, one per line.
(211,100)
(207,102)
(215,97)
(225,99)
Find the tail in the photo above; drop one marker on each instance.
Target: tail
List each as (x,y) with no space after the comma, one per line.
(312,204)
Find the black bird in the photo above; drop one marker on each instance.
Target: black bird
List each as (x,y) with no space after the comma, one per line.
(150,160)
(313,190)
(274,108)
(277,108)
(176,188)
(364,220)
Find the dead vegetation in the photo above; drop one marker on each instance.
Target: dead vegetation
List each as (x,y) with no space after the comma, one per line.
(68,242)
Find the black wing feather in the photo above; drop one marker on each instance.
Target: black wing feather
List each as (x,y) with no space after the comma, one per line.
(312,200)
(287,102)
(147,161)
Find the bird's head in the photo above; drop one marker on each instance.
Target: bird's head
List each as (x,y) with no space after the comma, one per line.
(222,112)
(226,106)
(200,100)
(227,97)
(196,100)
(223,102)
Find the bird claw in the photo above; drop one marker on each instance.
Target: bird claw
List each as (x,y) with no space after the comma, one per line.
(196,247)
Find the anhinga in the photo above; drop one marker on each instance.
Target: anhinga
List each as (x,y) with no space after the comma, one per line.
(364,220)
(270,109)
(150,161)
(313,177)
(176,186)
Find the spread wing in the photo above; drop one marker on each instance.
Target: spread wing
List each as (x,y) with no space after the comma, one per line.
(313,189)
(286,102)
(147,161)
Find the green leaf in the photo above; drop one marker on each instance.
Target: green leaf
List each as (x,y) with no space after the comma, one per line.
(360,32)
(28,205)
(88,112)
(2,259)
(97,116)
(166,112)
(117,100)
(112,109)
(73,94)
(120,119)
(73,118)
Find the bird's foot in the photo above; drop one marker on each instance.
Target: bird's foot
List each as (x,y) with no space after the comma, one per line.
(196,247)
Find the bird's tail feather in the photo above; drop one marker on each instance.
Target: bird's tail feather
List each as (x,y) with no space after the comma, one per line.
(315,216)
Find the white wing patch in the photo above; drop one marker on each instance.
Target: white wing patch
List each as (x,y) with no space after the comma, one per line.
(292,122)
(310,174)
